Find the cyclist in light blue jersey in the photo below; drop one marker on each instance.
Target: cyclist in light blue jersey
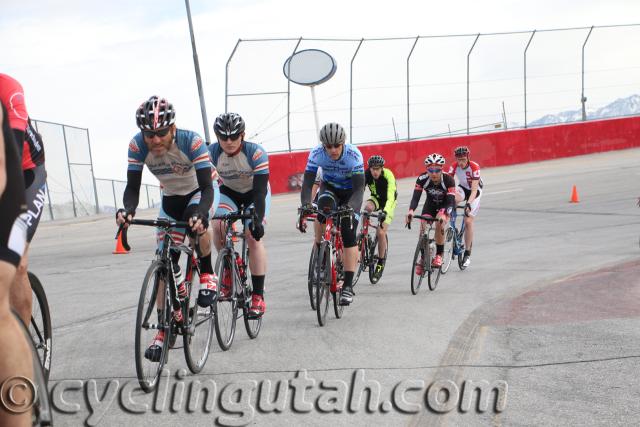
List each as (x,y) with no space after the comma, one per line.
(243,168)
(342,185)
(180,160)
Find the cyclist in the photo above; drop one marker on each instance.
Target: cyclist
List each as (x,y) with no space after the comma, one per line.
(243,167)
(342,184)
(180,161)
(31,150)
(441,190)
(13,236)
(382,185)
(470,190)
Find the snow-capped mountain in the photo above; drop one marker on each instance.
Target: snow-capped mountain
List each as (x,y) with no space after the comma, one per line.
(619,107)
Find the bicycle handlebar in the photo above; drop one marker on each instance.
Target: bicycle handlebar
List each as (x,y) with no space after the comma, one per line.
(159,222)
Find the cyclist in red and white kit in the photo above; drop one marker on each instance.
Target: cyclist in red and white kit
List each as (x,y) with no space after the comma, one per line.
(35,177)
(469,189)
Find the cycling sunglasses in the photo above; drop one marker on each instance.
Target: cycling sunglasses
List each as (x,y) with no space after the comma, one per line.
(434,170)
(228,137)
(332,145)
(161,133)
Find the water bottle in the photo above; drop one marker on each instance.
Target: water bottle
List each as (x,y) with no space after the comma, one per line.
(240,267)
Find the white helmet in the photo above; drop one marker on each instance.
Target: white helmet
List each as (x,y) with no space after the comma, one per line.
(434,159)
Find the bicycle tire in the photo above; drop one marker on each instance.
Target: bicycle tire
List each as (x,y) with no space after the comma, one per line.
(252,324)
(42,413)
(310,281)
(461,249)
(146,308)
(226,310)
(362,258)
(197,333)
(416,280)
(323,276)
(338,309)
(41,332)
(448,250)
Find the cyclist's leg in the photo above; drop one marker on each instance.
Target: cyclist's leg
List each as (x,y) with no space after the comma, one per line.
(460,195)
(468,224)
(226,205)
(35,186)
(258,262)
(327,201)
(382,230)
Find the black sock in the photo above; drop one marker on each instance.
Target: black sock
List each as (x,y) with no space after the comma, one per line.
(439,249)
(205,264)
(348,278)
(258,284)
(467,252)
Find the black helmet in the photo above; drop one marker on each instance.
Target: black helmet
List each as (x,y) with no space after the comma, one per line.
(461,151)
(155,113)
(332,134)
(375,161)
(228,125)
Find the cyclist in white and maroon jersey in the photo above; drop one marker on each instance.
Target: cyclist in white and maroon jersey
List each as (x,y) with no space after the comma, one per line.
(469,189)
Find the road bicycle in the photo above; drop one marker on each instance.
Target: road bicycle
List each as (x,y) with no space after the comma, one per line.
(235,290)
(161,309)
(424,255)
(368,247)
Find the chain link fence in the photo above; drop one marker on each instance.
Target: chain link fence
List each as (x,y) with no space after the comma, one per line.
(390,89)
(72,189)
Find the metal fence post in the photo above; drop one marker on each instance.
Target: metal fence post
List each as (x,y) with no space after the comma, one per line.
(468,55)
(66,149)
(226,78)
(351,92)
(408,112)
(113,188)
(93,177)
(525,77)
(583,100)
(196,65)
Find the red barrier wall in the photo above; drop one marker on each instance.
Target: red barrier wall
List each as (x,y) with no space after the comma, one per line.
(489,149)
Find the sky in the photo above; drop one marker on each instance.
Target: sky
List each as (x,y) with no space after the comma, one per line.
(91,63)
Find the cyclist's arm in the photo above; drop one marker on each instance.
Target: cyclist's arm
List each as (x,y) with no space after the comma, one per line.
(450,200)
(307,184)
(417,193)
(474,190)
(206,190)
(391,191)
(132,191)
(357,183)
(260,185)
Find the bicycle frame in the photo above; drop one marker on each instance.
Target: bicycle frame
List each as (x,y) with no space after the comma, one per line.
(332,234)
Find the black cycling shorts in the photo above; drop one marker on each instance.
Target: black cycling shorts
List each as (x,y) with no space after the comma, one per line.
(35,192)
(13,229)
(329,199)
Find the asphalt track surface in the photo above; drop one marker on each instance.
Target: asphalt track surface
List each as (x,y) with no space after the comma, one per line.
(550,306)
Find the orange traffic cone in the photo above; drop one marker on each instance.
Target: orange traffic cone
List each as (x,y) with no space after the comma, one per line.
(574,195)
(119,246)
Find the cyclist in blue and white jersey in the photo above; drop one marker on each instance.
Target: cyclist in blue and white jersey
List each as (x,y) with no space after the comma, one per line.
(243,168)
(342,184)
(180,160)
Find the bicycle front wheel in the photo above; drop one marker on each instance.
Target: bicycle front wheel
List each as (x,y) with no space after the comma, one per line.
(198,332)
(252,324)
(40,325)
(461,249)
(418,268)
(149,322)
(226,306)
(311,283)
(323,276)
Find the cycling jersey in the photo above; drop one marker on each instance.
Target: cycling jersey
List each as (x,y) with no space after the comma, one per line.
(467,175)
(439,196)
(337,173)
(383,189)
(176,169)
(31,146)
(237,171)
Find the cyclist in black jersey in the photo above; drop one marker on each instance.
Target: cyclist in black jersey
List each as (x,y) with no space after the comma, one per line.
(13,236)
(441,199)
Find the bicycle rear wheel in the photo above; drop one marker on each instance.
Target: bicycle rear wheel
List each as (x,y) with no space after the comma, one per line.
(40,325)
(150,321)
(337,308)
(363,257)
(418,268)
(461,248)
(226,307)
(198,331)
(252,324)
(41,411)
(448,250)
(311,283)
(323,276)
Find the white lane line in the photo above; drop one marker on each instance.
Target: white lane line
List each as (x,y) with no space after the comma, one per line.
(503,191)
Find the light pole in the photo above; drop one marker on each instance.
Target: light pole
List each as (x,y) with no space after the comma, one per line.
(196,65)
